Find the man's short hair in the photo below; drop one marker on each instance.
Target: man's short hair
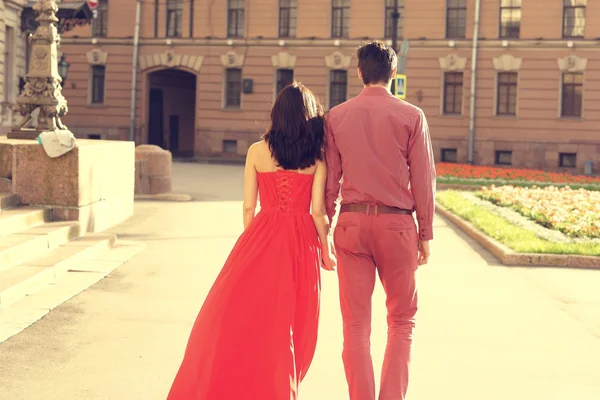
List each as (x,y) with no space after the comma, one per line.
(376,61)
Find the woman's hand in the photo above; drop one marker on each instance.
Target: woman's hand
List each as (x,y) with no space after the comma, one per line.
(328,262)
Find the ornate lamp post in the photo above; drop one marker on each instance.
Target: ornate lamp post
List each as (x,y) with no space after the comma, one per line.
(43,83)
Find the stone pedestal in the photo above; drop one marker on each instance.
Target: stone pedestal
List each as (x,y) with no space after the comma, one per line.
(153,170)
(93,183)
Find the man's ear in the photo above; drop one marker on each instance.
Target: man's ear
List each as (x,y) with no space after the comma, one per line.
(394,73)
(359,74)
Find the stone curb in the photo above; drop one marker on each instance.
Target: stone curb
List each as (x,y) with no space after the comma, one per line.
(164,197)
(510,257)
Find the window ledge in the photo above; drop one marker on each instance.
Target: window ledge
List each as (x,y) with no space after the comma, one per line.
(97,105)
(574,119)
(453,115)
(232,109)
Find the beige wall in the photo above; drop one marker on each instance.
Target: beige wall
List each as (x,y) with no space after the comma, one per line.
(536,135)
(10,18)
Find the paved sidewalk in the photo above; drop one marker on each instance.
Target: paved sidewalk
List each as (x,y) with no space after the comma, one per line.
(484,331)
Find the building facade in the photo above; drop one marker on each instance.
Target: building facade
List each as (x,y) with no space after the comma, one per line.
(12,59)
(207,72)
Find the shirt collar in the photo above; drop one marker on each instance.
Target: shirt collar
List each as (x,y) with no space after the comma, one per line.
(375,91)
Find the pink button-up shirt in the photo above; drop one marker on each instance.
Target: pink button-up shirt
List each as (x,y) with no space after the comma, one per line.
(379,146)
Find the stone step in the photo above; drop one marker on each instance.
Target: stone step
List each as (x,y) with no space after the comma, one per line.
(22,218)
(34,306)
(8,200)
(31,276)
(33,243)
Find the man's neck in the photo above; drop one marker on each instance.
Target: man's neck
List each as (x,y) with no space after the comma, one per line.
(380,85)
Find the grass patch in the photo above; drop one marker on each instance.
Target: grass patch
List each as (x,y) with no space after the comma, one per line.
(517,238)
(503,182)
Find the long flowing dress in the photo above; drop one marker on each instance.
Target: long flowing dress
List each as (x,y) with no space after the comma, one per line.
(255,335)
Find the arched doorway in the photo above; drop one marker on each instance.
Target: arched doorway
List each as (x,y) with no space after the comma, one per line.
(172,111)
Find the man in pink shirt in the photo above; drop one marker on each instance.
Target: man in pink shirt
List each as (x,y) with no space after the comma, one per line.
(379,148)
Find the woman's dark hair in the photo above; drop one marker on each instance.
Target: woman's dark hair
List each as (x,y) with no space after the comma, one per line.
(376,61)
(297,131)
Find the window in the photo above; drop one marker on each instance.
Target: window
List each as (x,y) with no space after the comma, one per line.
(572,94)
(233,89)
(94,136)
(174,11)
(338,87)
(504,157)
(389,18)
(235,18)
(340,18)
(456,18)
(453,86)
(284,78)
(506,93)
(98,79)
(100,22)
(449,155)
(567,160)
(574,18)
(230,146)
(510,19)
(287,18)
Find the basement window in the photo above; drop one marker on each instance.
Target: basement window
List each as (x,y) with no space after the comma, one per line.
(567,160)
(504,157)
(449,155)
(230,146)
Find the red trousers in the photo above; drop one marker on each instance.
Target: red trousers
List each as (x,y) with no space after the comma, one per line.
(386,244)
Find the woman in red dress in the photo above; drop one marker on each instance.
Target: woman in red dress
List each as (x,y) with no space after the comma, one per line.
(255,336)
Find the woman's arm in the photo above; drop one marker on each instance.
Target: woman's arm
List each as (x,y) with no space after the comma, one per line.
(319,213)
(250,187)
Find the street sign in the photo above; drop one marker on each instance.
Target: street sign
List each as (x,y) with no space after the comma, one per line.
(401,86)
(93,4)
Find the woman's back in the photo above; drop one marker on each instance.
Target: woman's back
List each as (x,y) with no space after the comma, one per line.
(279,189)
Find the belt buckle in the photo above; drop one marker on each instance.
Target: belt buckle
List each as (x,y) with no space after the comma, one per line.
(376,206)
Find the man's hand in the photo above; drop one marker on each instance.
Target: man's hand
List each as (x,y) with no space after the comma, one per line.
(424,252)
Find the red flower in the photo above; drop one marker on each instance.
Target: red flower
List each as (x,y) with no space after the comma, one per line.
(493,173)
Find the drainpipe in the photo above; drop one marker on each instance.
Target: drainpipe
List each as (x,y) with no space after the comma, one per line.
(136,43)
(473,82)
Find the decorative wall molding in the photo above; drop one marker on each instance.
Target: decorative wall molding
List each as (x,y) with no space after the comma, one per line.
(97,57)
(572,63)
(507,62)
(284,60)
(337,60)
(453,62)
(170,59)
(232,60)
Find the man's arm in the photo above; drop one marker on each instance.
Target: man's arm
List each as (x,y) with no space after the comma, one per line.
(334,172)
(422,176)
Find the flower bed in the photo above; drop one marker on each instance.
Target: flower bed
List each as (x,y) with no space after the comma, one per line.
(450,171)
(576,213)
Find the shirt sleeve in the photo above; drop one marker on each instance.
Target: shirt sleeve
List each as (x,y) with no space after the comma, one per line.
(422,176)
(334,172)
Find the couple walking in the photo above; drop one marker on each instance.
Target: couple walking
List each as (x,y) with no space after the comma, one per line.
(255,336)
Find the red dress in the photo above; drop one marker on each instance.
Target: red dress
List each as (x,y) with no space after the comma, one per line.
(256,333)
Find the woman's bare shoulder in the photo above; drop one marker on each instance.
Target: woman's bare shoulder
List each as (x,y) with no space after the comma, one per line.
(258,149)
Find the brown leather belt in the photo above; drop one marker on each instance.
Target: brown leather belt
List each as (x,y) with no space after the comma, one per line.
(373,209)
